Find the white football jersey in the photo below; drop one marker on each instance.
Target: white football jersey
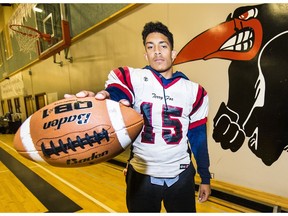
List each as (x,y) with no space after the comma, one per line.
(161,149)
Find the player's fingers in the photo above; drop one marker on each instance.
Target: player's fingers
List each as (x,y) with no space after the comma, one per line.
(67,96)
(102,95)
(84,93)
(204,192)
(203,197)
(125,171)
(80,94)
(125,102)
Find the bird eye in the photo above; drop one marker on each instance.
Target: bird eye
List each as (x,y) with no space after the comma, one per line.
(252,13)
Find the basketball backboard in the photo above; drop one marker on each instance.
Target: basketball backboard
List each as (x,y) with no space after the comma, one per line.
(52,19)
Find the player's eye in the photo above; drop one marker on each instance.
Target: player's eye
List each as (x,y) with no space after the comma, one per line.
(149,47)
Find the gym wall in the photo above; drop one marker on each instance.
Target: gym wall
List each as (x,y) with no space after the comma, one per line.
(119,43)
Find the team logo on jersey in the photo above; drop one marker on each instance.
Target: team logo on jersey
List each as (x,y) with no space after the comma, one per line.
(146,79)
(184,166)
(160,97)
(154,95)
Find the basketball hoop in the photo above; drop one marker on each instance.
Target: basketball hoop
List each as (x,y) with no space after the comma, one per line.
(27,37)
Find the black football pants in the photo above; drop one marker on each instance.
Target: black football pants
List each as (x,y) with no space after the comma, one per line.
(142,196)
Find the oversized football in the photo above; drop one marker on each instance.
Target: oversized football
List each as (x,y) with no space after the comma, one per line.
(78,132)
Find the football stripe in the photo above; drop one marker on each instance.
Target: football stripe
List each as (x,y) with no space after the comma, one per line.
(28,142)
(117,122)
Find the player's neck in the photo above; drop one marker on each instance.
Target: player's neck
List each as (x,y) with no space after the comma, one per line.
(167,74)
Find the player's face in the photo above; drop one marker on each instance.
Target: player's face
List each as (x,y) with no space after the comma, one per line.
(159,53)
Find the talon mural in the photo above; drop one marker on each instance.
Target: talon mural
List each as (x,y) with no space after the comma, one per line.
(255,39)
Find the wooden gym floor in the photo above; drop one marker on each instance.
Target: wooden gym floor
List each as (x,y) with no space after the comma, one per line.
(26,186)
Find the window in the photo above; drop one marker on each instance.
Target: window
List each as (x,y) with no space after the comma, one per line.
(9,104)
(29,105)
(7,43)
(17,105)
(1,48)
(41,100)
(2,106)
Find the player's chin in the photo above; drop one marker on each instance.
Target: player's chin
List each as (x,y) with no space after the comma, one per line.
(161,68)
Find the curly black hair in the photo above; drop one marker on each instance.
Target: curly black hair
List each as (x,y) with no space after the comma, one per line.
(151,27)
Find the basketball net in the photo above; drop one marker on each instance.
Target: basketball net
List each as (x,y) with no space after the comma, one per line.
(26,44)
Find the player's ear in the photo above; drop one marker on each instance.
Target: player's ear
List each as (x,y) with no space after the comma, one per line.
(145,56)
(174,54)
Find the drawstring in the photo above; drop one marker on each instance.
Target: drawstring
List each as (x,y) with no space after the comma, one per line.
(166,106)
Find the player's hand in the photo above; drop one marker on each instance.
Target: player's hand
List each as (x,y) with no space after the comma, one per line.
(81,94)
(105,95)
(204,192)
(102,95)
(125,170)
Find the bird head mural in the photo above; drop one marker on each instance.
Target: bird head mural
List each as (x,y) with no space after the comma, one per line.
(255,40)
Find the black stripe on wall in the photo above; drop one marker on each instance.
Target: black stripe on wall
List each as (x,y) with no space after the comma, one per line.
(50,197)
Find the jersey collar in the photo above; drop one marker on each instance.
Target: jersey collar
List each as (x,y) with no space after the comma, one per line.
(165,81)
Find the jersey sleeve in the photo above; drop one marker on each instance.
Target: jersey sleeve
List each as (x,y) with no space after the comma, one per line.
(197,134)
(199,113)
(198,142)
(119,84)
